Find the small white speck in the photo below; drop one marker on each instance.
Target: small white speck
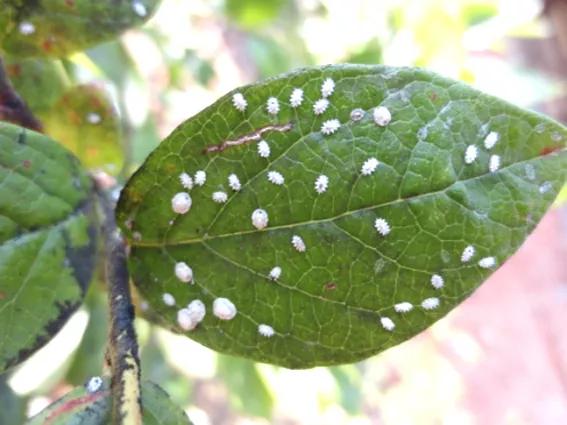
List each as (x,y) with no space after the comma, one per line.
(168,299)
(545,187)
(183,272)
(430,303)
(357,114)
(200,178)
(530,171)
(382,226)
(494,163)
(321,184)
(234,182)
(328,87)
(144,306)
(186,181)
(320,106)
(296,98)
(491,139)
(382,116)
(403,307)
(266,330)
(470,154)
(263,149)
(275,273)
(387,323)
(437,281)
(467,254)
(94,384)
(273,106)
(487,262)
(197,310)
(93,118)
(298,243)
(26,28)
(137,236)
(181,203)
(239,102)
(276,178)
(139,9)
(259,219)
(330,126)
(220,197)
(224,309)
(369,166)
(184,320)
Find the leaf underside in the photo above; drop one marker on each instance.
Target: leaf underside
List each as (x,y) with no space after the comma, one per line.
(47,240)
(334,302)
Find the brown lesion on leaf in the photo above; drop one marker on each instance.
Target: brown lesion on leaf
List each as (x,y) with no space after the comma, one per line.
(330,286)
(247,138)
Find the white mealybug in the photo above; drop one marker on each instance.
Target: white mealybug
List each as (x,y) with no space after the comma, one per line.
(263,149)
(265,330)
(93,118)
(26,28)
(545,187)
(186,181)
(321,184)
(491,139)
(487,262)
(200,178)
(224,309)
(220,197)
(403,307)
(330,126)
(437,281)
(183,272)
(470,154)
(184,320)
(296,98)
(357,114)
(273,106)
(259,219)
(382,226)
(275,273)
(467,254)
(387,323)
(369,166)
(181,203)
(328,87)
(320,106)
(168,299)
(430,303)
(298,243)
(382,116)
(239,102)
(139,9)
(276,178)
(197,310)
(494,163)
(94,384)
(234,182)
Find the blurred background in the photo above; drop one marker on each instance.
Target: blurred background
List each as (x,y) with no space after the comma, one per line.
(500,358)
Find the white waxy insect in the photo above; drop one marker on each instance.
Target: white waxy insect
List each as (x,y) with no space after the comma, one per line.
(139,9)
(387,323)
(94,118)
(263,149)
(369,166)
(320,106)
(487,262)
(437,281)
(430,303)
(184,320)
(491,139)
(94,384)
(183,272)
(168,299)
(26,28)
(220,197)
(224,309)
(259,219)
(200,178)
(298,243)
(494,163)
(382,226)
(468,254)
(357,114)
(545,187)
(276,178)
(239,102)
(234,182)
(275,273)
(321,184)
(197,310)
(273,106)
(471,153)
(328,87)
(266,330)
(181,203)
(186,181)
(330,126)
(382,116)
(403,307)
(296,98)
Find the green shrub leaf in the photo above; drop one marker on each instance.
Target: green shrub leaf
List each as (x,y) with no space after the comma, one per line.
(409,216)
(47,240)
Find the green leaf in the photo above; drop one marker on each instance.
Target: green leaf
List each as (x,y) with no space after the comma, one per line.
(57,28)
(47,240)
(158,407)
(333,302)
(12,407)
